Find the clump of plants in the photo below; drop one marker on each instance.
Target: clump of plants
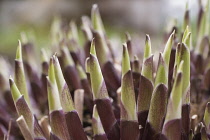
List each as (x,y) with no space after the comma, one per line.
(81,92)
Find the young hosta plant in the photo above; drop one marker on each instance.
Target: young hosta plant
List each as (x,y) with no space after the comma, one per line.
(78,93)
(67,104)
(56,114)
(20,78)
(159,96)
(129,128)
(28,120)
(103,52)
(145,86)
(172,125)
(100,96)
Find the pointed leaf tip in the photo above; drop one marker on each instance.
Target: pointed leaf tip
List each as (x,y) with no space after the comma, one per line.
(187,40)
(11,81)
(55,55)
(97,81)
(58,73)
(167,50)
(96,20)
(185,33)
(147,37)
(51,71)
(147,49)
(125,60)
(161,74)
(92,47)
(55,59)
(95,7)
(63,90)
(174,31)
(19,51)
(14,90)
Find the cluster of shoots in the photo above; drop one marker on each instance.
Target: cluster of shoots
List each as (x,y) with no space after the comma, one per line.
(81,92)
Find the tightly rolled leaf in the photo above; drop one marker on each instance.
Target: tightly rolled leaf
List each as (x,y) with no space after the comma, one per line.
(110,75)
(101,98)
(21,106)
(147,68)
(86,23)
(161,74)
(163,63)
(128,121)
(167,50)
(128,108)
(71,115)
(56,114)
(52,89)
(172,125)
(32,69)
(24,110)
(145,86)
(96,20)
(103,48)
(183,54)
(64,94)
(20,79)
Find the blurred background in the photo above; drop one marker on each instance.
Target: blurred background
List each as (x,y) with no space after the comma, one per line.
(138,17)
